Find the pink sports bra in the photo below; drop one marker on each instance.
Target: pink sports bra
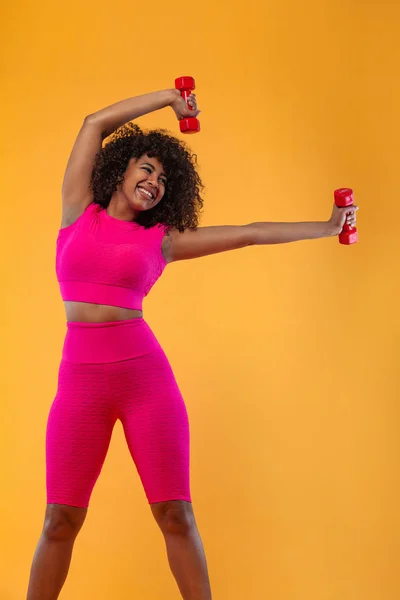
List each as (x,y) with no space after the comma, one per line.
(103,260)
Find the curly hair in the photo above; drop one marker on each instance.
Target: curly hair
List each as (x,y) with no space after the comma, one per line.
(181,204)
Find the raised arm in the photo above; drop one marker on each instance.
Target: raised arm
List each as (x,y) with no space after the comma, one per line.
(211,240)
(76,193)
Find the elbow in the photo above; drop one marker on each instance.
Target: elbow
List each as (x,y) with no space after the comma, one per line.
(93,120)
(89,119)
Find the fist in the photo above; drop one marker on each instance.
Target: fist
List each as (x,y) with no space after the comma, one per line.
(340,216)
(181,108)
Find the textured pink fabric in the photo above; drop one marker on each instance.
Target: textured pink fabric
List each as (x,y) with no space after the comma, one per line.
(108,342)
(103,260)
(140,390)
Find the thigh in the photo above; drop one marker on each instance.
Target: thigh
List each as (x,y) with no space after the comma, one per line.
(156,427)
(78,433)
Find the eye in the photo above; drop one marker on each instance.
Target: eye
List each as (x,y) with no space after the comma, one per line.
(163,181)
(147,169)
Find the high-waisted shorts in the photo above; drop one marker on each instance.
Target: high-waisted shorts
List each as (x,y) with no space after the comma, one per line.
(113,371)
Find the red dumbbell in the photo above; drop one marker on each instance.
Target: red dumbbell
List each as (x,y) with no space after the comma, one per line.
(344,197)
(186,85)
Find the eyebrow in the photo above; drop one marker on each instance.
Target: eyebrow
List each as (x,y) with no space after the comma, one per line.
(153,167)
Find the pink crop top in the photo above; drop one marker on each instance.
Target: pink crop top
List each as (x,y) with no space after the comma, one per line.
(103,260)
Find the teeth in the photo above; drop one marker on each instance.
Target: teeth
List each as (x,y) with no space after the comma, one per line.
(146,192)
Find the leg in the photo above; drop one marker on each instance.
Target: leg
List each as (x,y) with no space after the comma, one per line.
(157,431)
(184,548)
(53,554)
(78,435)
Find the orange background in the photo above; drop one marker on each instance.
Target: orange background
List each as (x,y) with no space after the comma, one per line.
(287,355)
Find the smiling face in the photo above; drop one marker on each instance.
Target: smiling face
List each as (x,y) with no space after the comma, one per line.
(144,183)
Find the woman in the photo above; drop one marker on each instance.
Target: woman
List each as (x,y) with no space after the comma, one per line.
(130,208)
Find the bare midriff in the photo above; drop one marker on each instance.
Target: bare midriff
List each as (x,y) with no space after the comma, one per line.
(84,312)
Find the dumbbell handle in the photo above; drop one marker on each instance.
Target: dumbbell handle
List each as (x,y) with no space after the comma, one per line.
(185,95)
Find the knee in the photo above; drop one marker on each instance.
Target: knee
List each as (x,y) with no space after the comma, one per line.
(62,523)
(174,517)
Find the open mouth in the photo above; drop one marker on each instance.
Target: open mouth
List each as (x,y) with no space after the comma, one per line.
(145,193)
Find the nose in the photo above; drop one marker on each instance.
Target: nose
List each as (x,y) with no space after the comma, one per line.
(153,184)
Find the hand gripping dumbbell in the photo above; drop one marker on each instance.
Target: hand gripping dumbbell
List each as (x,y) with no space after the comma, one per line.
(186,85)
(344,197)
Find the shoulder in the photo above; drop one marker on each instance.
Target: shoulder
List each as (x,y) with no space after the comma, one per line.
(157,231)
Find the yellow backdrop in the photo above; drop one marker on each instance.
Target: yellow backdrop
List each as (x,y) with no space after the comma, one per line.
(287,355)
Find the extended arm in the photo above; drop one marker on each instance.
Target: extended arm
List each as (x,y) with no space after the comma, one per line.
(210,240)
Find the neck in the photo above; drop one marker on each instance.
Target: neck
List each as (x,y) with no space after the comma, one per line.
(120,209)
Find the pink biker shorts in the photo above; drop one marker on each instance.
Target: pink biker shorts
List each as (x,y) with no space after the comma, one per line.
(113,371)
